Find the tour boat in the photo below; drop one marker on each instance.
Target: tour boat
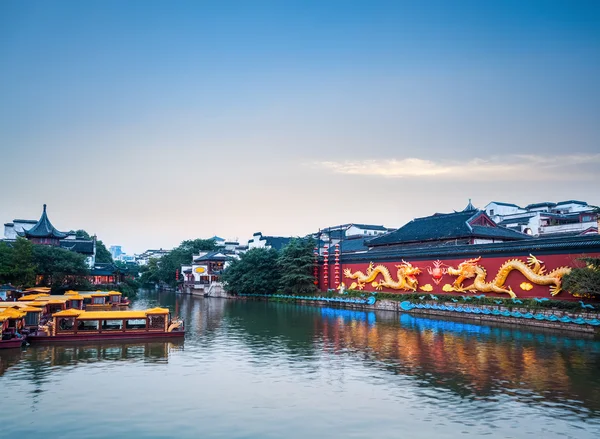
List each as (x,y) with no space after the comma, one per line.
(12,321)
(79,325)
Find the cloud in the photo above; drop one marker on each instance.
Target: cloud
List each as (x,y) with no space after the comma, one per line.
(511,167)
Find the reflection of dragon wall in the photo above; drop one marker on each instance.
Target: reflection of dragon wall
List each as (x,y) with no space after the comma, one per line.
(406,275)
(533,270)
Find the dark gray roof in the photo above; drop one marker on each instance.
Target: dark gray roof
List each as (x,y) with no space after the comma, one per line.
(351,245)
(499,203)
(276,242)
(360,226)
(84,246)
(546,245)
(104,269)
(583,203)
(43,229)
(212,256)
(25,221)
(545,204)
(9,224)
(447,226)
(470,207)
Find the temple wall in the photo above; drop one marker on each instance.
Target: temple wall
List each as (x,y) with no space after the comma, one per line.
(432,275)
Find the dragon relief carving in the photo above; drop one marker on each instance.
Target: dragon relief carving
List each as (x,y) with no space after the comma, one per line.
(406,275)
(533,270)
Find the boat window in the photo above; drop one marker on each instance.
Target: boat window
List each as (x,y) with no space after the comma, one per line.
(32,318)
(98,300)
(112,325)
(74,303)
(66,323)
(87,325)
(115,299)
(87,300)
(136,324)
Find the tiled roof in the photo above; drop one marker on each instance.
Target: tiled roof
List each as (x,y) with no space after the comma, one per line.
(104,269)
(582,244)
(85,246)
(583,203)
(441,227)
(212,256)
(499,203)
(44,229)
(545,204)
(352,245)
(360,226)
(276,242)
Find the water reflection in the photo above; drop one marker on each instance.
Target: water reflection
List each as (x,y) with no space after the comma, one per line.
(477,362)
(319,372)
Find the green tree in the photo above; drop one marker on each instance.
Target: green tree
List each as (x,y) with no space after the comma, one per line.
(16,263)
(102,254)
(163,270)
(584,281)
(296,264)
(59,267)
(255,272)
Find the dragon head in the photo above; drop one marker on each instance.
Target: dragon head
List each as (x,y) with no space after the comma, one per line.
(406,270)
(465,270)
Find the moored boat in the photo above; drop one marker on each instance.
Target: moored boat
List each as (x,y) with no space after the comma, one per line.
(79,325)
(12,322)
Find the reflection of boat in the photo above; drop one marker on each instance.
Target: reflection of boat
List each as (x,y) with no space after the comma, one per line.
(12,322)
(78,325)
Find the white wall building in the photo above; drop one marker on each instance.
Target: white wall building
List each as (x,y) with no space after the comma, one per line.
(546,219)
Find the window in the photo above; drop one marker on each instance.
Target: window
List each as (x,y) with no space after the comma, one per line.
(66,324)
(87,325)
(112,325)
(491,211)
(136,324)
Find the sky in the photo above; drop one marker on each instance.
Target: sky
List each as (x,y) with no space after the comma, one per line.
(150,122)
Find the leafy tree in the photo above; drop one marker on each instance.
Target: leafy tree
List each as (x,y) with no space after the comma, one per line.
(149,274)
(16,263)
(255,272)
(584,281)
(102,254)
(59,267)
(296,263)
(163,270)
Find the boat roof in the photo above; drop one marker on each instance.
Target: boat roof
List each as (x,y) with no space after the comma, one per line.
(110,315)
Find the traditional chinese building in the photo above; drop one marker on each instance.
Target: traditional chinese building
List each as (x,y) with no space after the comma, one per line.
(42,232)
(459,253)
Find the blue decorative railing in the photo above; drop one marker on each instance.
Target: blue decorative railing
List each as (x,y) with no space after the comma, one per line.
(408,306)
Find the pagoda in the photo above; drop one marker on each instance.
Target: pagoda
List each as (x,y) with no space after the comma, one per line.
(43,232)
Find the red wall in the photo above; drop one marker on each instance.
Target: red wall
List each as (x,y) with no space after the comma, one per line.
(491,264)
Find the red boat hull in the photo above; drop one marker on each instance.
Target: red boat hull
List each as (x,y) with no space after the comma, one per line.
(95,337)
(12,343)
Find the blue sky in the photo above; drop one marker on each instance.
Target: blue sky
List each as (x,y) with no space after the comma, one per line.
(151,122)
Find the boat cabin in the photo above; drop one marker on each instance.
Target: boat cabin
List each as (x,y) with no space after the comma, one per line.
(94,323)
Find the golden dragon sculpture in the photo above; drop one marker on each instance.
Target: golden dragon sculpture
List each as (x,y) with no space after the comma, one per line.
(533,270)
(406,275)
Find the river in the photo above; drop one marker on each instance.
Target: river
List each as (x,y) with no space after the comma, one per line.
(275,370)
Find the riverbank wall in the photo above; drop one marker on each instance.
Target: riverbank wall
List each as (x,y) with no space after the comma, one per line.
(587,322)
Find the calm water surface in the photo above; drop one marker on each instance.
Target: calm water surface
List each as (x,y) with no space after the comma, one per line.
(268,370)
